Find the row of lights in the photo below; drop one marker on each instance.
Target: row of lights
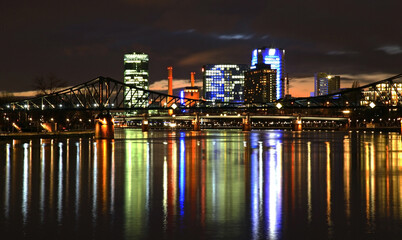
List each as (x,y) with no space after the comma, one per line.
(27,106)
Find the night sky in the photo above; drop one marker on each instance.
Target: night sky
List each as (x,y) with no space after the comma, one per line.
(80,40)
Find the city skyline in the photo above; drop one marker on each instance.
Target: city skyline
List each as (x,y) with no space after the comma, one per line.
(80,41)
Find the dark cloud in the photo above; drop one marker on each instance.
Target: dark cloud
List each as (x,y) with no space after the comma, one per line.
(79,40)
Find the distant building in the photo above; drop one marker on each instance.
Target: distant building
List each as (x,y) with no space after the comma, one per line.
(326,84)
(191,92)
(260,84)
(224,83)
(334,84)
(136,74)
(276,58)
(383,92)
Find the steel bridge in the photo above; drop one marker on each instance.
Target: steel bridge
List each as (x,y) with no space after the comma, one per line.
(383,93)
(105,93)
(102,93)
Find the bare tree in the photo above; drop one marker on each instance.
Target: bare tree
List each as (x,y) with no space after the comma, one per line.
(48,84)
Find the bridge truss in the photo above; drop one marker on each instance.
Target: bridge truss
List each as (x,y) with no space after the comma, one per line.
(384,93)
(108,94)
(102,94)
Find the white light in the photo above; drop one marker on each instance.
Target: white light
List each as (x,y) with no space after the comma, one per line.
(174,106)
(346,111)
(372,105)
(279,105)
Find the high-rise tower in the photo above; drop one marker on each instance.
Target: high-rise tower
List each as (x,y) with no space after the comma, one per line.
(136,74)
(276,58)
(260,85)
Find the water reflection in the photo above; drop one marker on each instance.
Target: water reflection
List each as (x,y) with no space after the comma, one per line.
(212,184)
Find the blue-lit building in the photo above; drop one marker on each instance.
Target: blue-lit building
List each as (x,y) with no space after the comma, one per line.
(224,83)
(276,58)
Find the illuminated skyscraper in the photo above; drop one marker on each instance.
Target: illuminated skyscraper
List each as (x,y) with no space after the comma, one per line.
(276,58)
(260,85)
(224,82)
(136,74)
(326,84)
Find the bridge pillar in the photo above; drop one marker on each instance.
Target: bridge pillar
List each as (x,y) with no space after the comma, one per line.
(246,126)
(297,124)
(145,124)
(196,123)
(104,126)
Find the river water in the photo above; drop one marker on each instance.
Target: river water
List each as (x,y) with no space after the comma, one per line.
(214,184)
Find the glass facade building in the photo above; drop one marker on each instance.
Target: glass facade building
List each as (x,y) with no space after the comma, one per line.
(276,58)
(136,74)
(326,84)
(224,83)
